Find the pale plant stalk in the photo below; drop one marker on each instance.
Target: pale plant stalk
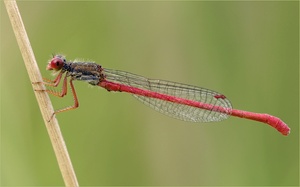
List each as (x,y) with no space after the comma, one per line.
(43,99)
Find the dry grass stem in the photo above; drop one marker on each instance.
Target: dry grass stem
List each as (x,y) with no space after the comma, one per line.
(43,99)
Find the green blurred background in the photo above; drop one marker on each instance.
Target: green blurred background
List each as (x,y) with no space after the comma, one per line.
(245,50)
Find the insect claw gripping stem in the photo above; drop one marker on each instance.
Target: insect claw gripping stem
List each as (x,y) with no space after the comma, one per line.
(38,82)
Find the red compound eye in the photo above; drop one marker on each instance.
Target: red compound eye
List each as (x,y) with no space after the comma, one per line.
(56,63)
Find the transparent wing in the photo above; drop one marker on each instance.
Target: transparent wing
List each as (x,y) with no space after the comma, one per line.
(175,110)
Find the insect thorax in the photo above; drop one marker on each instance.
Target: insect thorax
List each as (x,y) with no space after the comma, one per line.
(84,71)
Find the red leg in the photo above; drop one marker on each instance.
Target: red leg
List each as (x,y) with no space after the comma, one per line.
(76,103)
(54,82)
(64,87)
